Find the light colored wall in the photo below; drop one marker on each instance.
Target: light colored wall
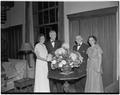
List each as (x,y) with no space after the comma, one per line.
(16,16)
(77,7)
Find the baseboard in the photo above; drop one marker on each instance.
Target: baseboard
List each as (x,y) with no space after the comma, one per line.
(113,88)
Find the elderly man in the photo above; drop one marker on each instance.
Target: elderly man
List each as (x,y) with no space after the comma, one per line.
(52,45)
(81,48)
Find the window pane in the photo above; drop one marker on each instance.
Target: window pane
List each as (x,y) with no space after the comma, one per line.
(40,5)
(51,4)
(46,17)
(40,16)
(56,14)
(47,32)
(56,3)
(45,5)
(52,15)
(42,30)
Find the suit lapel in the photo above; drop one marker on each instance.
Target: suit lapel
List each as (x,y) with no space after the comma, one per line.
(55,44)
(52,45)
(81,47)
(75,48)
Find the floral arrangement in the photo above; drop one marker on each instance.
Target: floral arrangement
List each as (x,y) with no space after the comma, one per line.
(65,59)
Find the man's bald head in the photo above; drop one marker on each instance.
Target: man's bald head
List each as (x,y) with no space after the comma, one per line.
(79,39)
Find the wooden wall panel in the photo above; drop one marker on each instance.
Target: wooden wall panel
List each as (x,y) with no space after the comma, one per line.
(102,24)
(11,41)
(74,30)
(104,28)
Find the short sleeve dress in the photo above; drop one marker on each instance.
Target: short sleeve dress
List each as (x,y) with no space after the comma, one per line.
(94,71)
(41,80)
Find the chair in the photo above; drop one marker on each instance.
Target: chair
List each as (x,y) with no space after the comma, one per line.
(14,70)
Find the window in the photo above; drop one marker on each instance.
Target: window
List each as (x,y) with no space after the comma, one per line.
(46,18)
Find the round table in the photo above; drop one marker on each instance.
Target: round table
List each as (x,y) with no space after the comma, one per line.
(57,75)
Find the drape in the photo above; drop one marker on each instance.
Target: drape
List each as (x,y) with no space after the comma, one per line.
(104,28)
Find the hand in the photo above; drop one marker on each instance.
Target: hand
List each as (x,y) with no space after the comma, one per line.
(81,58)
(52,66)
(49,57)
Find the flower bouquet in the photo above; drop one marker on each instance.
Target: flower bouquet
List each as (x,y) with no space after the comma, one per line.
(65,60)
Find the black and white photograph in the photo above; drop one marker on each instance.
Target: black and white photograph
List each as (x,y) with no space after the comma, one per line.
(60,47)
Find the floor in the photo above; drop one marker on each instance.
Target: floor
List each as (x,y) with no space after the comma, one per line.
(29,89)
(24,90)
(23,85)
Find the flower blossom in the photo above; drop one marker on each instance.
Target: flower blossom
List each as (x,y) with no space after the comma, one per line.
(65,46)
(54,62)
(63,62)
(60,51)
(73,56)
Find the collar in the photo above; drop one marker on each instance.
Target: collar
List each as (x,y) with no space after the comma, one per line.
(52,40)
(80,44)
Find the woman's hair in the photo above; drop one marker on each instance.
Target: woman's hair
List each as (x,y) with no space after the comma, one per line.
(52,31)
(93,38)
(40,35)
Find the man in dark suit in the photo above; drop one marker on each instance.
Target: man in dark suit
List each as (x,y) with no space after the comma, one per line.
(81,48)
(52,45)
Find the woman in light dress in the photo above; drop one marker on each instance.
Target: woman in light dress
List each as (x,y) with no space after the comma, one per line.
(94,70)
(41,80)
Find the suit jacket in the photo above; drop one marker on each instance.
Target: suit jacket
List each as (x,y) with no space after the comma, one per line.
(82,50)
(52,49)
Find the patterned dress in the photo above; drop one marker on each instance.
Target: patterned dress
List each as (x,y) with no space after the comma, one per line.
(94,70)
(41,80)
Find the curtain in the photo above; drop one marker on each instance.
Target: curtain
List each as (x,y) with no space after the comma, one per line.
(104,28)
(74,30)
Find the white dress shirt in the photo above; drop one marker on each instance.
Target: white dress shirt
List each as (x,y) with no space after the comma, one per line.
(78,47)
(53,43)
